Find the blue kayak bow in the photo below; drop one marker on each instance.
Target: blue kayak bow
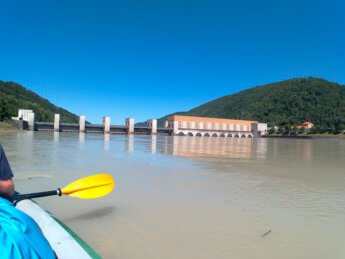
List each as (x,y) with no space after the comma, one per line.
(20,236)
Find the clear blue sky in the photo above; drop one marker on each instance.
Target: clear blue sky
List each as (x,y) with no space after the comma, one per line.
(146,59)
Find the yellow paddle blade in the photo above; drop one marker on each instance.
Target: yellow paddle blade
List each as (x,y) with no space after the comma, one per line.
(90,187)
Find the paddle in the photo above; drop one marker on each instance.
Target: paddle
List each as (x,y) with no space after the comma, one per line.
(90,187)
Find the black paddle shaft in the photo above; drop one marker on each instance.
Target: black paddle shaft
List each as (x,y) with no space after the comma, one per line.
(20,197)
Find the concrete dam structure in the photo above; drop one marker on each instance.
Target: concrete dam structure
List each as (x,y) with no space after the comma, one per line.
(105,128)
(176,125)
(26,121)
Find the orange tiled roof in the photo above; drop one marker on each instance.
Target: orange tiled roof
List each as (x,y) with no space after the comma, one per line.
(208,119)
(298,127)
(304,124)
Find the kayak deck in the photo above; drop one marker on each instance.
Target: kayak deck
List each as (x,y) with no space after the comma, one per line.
(62,239)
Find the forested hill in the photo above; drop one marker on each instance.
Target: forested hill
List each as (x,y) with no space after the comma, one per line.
(285,103)
(14,96)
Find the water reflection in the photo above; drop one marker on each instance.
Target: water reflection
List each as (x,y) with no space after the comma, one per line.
(106,141)
(261,148)
(81,137)
(56,136)
(24,142)
(219,147)
(130,145)
(307,150)
(153,143)
(240,148)
(189,147)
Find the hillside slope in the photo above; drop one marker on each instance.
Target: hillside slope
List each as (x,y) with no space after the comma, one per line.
(289,102)
(14,96)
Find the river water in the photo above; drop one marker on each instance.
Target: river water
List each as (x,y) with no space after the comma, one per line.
(188,197)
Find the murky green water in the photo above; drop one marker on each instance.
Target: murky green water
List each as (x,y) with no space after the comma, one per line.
(187,197)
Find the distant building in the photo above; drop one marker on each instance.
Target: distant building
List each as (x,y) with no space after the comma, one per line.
(23,114)
(260,128)
(25,119)
(306,125)
(214,127)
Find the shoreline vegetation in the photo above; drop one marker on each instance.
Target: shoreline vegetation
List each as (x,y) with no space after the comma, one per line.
(6,127)
(305,135)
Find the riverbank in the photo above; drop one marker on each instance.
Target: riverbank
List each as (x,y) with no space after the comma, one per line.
(306,135)
(6,127)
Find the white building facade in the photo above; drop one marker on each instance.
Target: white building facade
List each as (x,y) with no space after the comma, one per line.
(260,128)
(213,127)
(23,114)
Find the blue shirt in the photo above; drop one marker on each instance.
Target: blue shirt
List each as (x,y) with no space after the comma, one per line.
(5,169)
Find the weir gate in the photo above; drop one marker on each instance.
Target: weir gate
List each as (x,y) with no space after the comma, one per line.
(28,123)
(99,128)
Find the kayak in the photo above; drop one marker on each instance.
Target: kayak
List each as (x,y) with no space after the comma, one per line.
(28,231)
(64,242)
